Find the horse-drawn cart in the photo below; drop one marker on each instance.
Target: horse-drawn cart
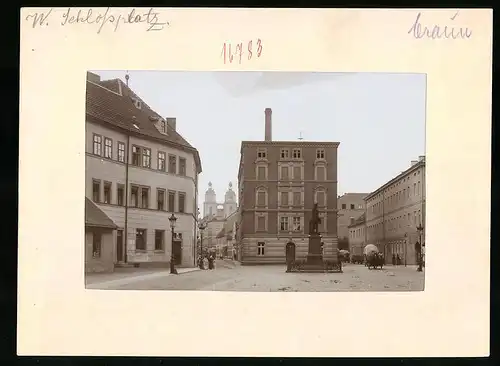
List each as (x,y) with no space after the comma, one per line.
(373,258)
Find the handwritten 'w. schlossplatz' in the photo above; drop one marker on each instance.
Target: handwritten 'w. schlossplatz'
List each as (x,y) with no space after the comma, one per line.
(102,19)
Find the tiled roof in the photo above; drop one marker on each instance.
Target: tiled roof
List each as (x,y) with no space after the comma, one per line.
(110,101)
(94,216)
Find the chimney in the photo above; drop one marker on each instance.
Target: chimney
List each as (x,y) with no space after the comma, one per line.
(93,77)
(413,162)
(269,125)
(171,122)
(421,158)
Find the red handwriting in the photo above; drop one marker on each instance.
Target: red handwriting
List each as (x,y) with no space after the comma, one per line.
(237,51)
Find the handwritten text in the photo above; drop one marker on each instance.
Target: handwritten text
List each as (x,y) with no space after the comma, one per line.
(250,49)
(100,19)
(435,31)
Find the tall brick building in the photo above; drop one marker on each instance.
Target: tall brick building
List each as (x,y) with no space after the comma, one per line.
(279,182)
(138,171)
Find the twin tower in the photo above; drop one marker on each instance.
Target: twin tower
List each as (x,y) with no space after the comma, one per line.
(222,210)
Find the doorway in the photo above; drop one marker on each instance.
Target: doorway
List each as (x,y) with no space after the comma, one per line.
(119,246)
(177,251)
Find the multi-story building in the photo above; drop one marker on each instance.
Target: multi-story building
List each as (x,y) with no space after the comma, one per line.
(226,238)
(395,214)
(140,170)
(279,182)
(350,206)
(357,235)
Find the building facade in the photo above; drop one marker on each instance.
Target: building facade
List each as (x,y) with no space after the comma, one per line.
(279,182)
(226,238)
(140,170)
(357,235)
(350,206)
(395,214)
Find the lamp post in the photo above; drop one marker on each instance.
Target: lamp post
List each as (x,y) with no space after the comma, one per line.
(172,220)
(202,226)
(420,258)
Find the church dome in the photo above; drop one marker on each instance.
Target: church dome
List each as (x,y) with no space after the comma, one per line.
(230,194)
(210,193)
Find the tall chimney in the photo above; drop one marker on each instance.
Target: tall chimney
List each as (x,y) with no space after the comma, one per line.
(269,125)
(171,122)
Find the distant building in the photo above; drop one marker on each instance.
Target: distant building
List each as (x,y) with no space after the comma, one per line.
(212,208)
(279,182)
(350,206)
(138,171)
(395,211)
(226,238)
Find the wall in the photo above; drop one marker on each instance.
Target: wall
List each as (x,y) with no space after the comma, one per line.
(345,215)
(104,263)
(150,219)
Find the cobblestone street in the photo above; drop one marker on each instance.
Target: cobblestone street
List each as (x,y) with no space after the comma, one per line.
(229,276)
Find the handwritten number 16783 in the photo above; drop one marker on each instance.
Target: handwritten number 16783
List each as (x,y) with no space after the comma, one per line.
(232,51)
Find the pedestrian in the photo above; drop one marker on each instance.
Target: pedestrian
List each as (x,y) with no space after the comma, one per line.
(211,262)
(393,259)
(398,259)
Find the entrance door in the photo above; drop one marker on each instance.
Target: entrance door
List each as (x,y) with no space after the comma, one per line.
(177,250)
(119,246)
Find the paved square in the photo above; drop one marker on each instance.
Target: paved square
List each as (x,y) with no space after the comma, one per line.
(229,276)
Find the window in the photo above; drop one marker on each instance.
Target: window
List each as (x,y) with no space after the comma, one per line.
(297,173)
(414,189)
(296,224)
(261,173)
(352,206)
(261,223)
(260,248)
(134,196)
(171,201)
(285,153)
(297,153)
(284,172)
(320,173)
(97,145)
(108,148)
(344,206)
(144,197)
(283,223)
(161,160)
(146,158)
(261,198)
(96,190)
(261,153)
(136,155)
(182,202)
(159,239)
(172,164)
(284,199)
(160,199)
(360,206)
(121,152)
(297,198)
(96,245)
(120,193)
(107,192)
(140,239)
(182,167)
(163,126)
(320,153)
(320,198)
(418,188)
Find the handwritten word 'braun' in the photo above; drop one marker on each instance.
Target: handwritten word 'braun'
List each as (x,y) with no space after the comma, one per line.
(230,51)
(100,19)
(435,31)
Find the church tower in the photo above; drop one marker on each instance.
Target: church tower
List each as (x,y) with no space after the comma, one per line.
(230,205)
(210,204)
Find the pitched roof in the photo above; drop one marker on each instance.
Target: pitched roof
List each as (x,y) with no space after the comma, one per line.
(221,233)
(358,221)
(110,101)
(94,216)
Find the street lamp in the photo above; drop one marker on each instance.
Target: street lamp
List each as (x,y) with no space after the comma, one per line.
(420,258)
(172,220)
(202,226)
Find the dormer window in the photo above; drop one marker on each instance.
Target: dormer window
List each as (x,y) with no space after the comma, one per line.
(163,126)
(137,103)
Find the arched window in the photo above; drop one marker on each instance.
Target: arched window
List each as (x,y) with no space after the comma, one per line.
(261,197)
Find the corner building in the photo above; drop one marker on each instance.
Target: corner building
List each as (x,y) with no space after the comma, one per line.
(279,182)
(138,171)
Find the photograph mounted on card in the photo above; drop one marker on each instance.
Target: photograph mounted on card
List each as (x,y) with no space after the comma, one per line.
(200,164)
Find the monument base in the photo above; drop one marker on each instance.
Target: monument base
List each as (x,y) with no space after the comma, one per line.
(315,263)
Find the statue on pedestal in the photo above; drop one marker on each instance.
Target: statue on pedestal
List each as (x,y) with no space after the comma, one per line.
(315,221)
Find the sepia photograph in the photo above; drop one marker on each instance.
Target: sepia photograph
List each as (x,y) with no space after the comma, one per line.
(255,181)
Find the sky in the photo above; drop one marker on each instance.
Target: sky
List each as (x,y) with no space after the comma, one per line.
(378,118)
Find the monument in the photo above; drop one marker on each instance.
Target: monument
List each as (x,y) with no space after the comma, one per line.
(314,261)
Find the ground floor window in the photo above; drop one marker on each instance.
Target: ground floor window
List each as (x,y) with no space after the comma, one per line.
(96,244)
(260,248)
(140,239)
(159,239)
